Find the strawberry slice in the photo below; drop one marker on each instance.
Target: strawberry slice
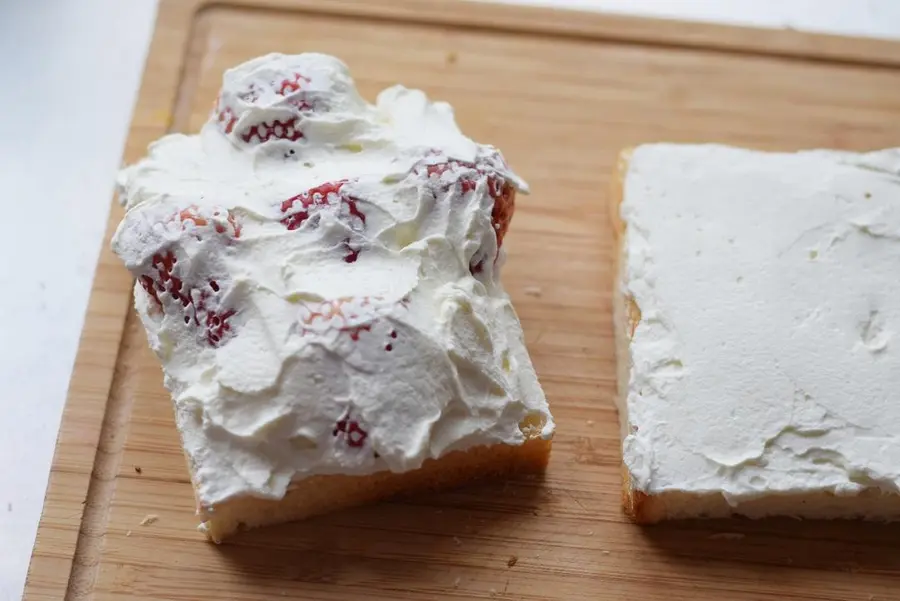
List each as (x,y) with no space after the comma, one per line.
(292,84)
(221,220)
(350,316)
(504,195)
(445,175)
(467,175)
(330,196)
(167,279)
(287,91)
(277,129)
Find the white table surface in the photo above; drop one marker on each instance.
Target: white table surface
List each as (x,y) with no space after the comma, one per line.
(71,71)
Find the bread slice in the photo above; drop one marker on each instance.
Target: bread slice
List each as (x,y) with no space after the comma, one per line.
(323,494)
(832,475)
(320,280)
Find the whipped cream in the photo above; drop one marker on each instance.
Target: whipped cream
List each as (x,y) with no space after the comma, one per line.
(766,356)
(320,280)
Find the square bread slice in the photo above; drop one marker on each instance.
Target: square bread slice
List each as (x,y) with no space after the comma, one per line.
(758,332)
(320,280)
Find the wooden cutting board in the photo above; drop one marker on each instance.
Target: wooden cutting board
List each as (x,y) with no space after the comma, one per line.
(560,93)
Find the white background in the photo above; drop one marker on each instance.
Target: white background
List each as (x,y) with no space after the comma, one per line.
(70,71)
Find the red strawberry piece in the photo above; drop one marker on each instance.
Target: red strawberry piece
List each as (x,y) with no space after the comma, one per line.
(463,172)
(350,316)
(351,250)
(328,196)
(223,115)
(504,195)
(166,281)
(217,325)
(467,175)
(297,209)
(147,283)
(289,87)
(195,215)
(351,431)
(227,120)
(292,84)
(277,129)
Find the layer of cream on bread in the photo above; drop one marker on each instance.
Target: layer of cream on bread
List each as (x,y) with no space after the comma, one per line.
(766,356)
(319,277)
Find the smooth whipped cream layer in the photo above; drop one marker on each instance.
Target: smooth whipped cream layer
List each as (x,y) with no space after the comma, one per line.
(766,357)
(320,280)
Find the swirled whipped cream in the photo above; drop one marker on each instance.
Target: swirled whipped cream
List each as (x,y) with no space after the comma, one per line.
(320,280)
(765,360)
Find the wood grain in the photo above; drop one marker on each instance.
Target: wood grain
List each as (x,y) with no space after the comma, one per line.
(560,93)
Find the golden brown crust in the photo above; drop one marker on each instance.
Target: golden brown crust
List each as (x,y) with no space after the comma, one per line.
(323,494)
(628,504)
(634,502)
(617,193)
(637,505)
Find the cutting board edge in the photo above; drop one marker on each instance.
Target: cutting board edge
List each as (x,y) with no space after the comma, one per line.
(650,31)
(57,548)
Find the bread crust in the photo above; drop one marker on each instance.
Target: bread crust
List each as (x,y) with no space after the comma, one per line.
(634,502)
(317,495)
